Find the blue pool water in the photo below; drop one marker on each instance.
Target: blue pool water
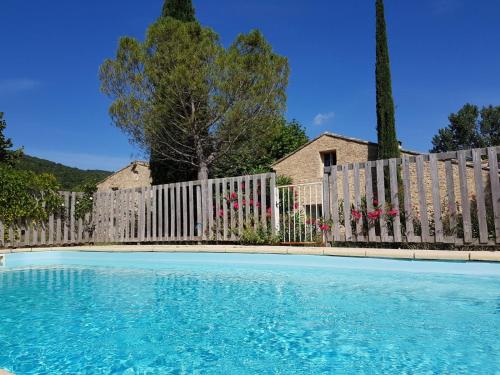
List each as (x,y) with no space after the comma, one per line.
(101,313)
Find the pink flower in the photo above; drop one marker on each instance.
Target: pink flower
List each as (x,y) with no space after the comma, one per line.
(257,204)
(251,202)
(375,202)
(221,213)
(268,212)
(374,215)
(296,205)
(356,214)
(393,213)
(324,227)
(234,195)
(244,202)
(236,205)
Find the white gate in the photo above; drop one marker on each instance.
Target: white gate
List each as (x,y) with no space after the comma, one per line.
(300,212)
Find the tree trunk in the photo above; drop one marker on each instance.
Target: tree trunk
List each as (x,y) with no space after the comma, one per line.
(203,172)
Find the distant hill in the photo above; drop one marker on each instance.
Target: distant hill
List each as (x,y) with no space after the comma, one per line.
(69,178)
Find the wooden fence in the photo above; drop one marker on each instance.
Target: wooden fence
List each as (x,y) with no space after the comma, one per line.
(451,197)
(219,210)
(62,228)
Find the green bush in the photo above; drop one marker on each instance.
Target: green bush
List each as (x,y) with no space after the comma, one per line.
(26,196)
(259,236)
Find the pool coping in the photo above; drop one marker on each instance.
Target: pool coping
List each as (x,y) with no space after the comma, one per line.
(452,255)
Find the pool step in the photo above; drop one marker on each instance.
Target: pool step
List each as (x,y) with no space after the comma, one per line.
(2,264)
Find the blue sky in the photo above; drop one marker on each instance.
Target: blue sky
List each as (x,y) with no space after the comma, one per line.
(444,53)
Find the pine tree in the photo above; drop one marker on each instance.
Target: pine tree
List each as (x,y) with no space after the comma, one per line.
(7,156)
(388,145)
(164,171)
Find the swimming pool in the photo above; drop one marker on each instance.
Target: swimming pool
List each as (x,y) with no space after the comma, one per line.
(158,313)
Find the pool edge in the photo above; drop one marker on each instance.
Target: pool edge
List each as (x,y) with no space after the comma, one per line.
(442,255)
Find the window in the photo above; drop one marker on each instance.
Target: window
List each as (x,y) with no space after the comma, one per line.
(329,158)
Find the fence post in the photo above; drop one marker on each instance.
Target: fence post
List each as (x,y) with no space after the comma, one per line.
(326,200)
(275,212)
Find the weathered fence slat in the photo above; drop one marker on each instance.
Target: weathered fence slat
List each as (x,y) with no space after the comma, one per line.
(381,200)
(184,212)
(393,180)
(464,195)
(199,226)
(424,219)
(335,205)
(436,199)
(495,189)
(369,199)
(347,204)
(231,208)
(480,198)
(255,200)
(357,203)
(274,206)
(66,214)
(452,204)
(178,233)
(224,210)
(218,216)
(239,183)
(191,209)
(263,201)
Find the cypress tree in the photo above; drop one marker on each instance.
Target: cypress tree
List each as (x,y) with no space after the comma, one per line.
(388,145)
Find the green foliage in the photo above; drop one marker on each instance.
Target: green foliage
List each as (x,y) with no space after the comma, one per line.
(25,195)
(68,178)
(283,180)
(7,156)
(259,236)
(260,148)
(469,128)
(228,93)
(388,146)
(85,203)
(181,10)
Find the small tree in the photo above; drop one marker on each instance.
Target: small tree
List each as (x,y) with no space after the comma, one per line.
(211,96)
(7,156)
(388,145)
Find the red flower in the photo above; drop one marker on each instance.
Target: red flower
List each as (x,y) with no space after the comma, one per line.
(234,195)
(375,202)
(324,227)
(393,213)
(374,215)
(221,213)
(251,202)
(236,205)
(296,205)
(244,202)
(268,212)
(356,214)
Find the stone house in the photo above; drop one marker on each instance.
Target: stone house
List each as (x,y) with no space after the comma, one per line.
(306,166)
(136,174)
